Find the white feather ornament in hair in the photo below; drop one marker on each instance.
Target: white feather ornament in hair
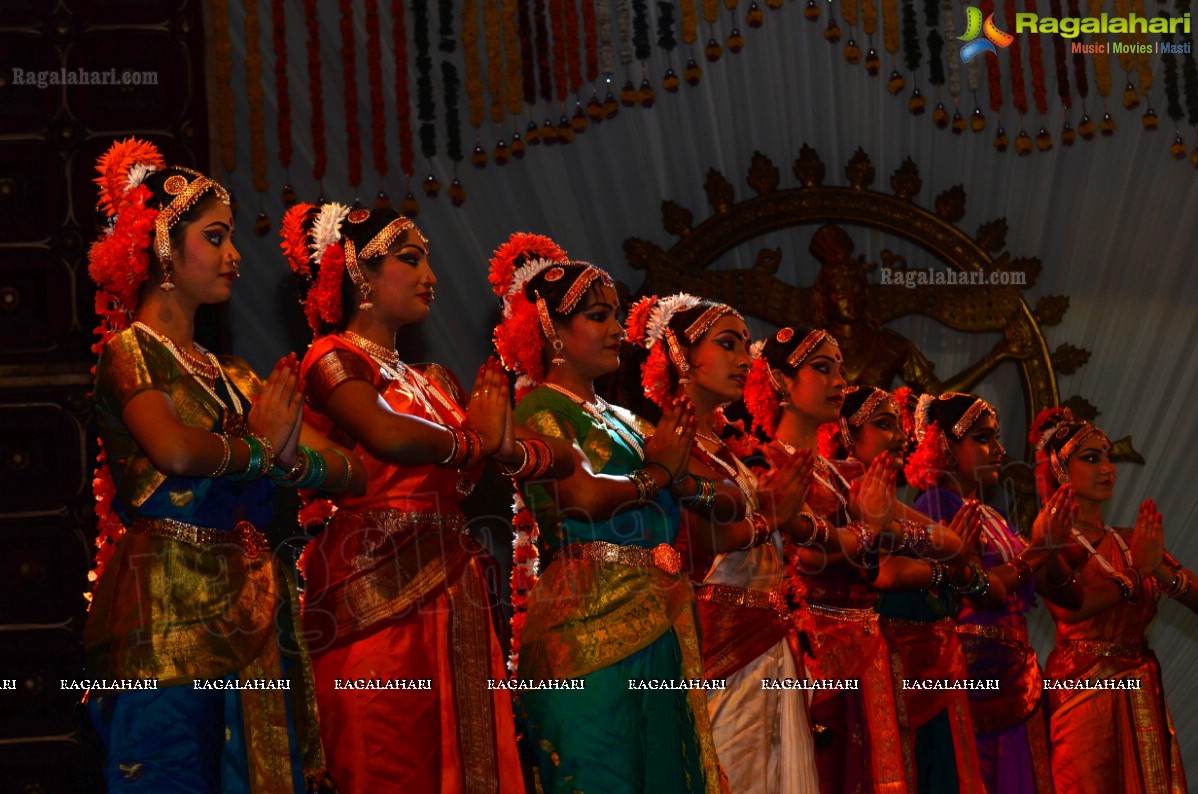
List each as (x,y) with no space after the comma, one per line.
(138,174)
(757,348)
(923,408)
(528,271)
(326,229)
(663,312)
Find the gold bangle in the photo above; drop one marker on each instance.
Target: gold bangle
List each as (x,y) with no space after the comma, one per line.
(220,470)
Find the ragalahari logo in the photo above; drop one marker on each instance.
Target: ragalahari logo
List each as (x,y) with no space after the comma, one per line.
(975,27)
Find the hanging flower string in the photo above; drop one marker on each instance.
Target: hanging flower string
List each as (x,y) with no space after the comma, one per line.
(1143,63)
(278,14)
(255,96)
(1079,60)
(492,30)
(931,19)
(527,54)
(911,53)
(869,17)
(474,69)
(624,31)
(399,42)
(607,45)
(890,26)
(512,57)
(590,32)
(1035,55)
(993,75)
(1015,60)
(561,80)
(640,30)
(453,122)
(954,47)
(349,63)
(448,42)
(426,109)
(320,156)
(543,74)
(1102,60)
(573,47)
(690,21)
(222,59)
(1062,67)
(374,80)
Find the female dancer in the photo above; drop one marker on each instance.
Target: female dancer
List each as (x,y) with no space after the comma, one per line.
(958,455)
(194,447)
(395,590)
(612,606)
(700,350)
(916,607)
(1122,574)
(796,385)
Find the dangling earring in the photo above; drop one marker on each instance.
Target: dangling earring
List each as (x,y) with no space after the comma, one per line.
(557,359)
(365,305)
(167,285)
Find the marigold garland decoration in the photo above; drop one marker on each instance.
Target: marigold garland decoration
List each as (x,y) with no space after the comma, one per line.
(403,110)
(1015,51)
(890,25)
(622,29)
(606,42)
(557,17)
(453,123)
(1143,62)
(374,79)
(543,74)
(528,77)
(254,95)
(590,32)
(474,69)
(1079,60)
(690,21)
(426,110)
(492,28)
(993,75)
(282,92)
(1035,55)
(110,528)
(1062,67)
(349,63)
(222,67)
(320,157)
(1102,61)
(448,41)
(869,17)
(525,571)
(640,30)
(513,69)
(573,48)
(711,11)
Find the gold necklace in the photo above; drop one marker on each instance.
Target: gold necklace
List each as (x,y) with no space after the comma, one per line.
(411,382)
(202,373)
(597,411)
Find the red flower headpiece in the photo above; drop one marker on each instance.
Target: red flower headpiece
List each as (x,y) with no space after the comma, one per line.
(904,400)
(1045,422)
(828,442)
(122,168)
(518,338)
(295,243)
(928,464)
(761,395)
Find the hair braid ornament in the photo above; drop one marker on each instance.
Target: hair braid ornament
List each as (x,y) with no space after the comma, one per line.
(519,338)
(649,326)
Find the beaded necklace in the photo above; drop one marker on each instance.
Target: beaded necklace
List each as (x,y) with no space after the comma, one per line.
(1102,561)
(823,464)
(598,411)
(205,374)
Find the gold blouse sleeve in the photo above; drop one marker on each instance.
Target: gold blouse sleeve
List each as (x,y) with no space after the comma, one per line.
(331,370)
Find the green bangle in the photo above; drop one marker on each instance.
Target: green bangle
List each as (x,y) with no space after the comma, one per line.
(314,477)
(345,475)
(253,468)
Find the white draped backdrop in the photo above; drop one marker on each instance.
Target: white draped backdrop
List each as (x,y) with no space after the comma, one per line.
(1113,221)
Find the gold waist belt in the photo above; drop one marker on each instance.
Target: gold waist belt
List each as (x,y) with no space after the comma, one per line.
(995,632)
(729,595)
(245,535)
(663,556)
(1095,648)
(854,614)
(390,520)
